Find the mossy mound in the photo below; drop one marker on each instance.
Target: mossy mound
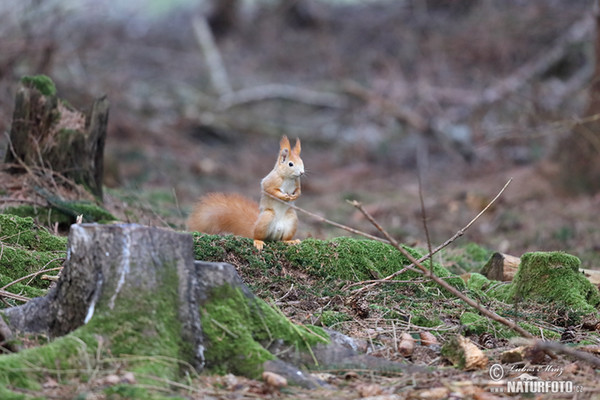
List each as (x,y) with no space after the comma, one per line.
(486,289)
(27,249)
(467,257)
(554,277)
(64,213)
(321,275)
(22,232)
(341,258)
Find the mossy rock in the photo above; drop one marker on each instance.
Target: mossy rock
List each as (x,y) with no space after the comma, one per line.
(554,277)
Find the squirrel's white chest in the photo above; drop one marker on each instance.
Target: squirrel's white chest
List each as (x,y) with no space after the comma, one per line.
(283,221)
(288,186)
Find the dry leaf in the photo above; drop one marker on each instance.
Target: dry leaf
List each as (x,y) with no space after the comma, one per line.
(428,339)
(50,384)
(433,394)
(274,380)
(513,355)
(406,345)
(366,390)
(129,378)
(464,354)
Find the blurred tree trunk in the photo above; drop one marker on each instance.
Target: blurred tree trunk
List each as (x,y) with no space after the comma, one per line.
(47,134)
(579,152)
(300,13)
(223,16)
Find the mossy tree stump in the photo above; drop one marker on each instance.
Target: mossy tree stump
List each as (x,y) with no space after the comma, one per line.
(132,290)
(48,133)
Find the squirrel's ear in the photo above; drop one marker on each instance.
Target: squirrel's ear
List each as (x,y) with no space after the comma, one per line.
(297,147)
(283,154)
(284,143)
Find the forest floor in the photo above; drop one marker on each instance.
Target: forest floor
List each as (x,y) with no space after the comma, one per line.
(170,141)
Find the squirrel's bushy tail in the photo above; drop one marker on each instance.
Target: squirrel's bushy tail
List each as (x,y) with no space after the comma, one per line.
(224,213)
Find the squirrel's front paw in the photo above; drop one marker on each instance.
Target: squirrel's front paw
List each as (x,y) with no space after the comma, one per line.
(259,244)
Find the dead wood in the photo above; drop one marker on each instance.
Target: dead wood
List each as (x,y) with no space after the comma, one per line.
(501,267)
(47,133)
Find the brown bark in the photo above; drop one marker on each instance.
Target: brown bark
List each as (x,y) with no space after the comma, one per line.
(501,267)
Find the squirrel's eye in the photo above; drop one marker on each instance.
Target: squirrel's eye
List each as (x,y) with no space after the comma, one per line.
(291,164)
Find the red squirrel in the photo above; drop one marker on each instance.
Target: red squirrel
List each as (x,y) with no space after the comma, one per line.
(220,213)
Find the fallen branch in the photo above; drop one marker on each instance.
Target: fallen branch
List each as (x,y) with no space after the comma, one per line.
(33,275)
(403,114)
(576,33)
(569,351)
(281,91)
(428,273)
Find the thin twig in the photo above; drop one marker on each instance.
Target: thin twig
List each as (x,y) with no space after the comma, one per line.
(325,220)
(458,234)
(424,217)
(488,313)
(33,275)
(4,293)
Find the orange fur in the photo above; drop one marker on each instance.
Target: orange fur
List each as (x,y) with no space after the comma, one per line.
(221,213)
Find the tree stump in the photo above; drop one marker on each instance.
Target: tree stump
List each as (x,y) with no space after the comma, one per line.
(134,290)
(48,133)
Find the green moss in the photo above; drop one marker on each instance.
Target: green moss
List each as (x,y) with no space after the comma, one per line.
(23,232)
(27,249)
(330,318)
(43,83)
(554,277)
(466,258)
(239,330)
(486,289)
(141,334)
(476,324)
(426,318)
(64,214)
(357,260)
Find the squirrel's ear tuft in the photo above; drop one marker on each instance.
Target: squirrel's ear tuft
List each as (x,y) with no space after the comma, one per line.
(284,143)
(297,147)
